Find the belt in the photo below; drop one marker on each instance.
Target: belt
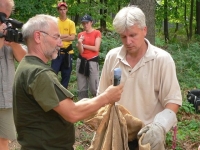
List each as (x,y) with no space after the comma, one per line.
(62,52)
(63,49)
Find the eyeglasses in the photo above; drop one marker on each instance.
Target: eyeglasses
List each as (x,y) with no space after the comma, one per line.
(56,37)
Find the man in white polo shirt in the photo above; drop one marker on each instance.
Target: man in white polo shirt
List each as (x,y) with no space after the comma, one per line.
(151,89)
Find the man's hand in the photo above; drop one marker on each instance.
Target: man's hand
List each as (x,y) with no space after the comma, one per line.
(113,93)
(156,131)
(154,135)
(2,27)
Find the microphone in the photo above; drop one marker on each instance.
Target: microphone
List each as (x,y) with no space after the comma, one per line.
(117,76)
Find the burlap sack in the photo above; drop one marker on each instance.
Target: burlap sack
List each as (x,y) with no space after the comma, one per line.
(114,127)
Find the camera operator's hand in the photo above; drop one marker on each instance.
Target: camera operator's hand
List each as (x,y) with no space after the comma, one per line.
(11,44)
(2,27)
(18,50)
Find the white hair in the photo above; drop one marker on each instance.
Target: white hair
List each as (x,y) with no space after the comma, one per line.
(127,17)
(39,22)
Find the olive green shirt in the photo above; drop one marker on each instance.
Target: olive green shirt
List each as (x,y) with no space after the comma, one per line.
(36,92)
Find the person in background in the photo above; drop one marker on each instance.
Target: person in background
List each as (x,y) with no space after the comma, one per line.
(9,52)
(151,89)
(44,111)
(63,62)
(87,66)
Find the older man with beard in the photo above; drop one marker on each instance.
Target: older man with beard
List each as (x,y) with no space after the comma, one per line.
(44,111)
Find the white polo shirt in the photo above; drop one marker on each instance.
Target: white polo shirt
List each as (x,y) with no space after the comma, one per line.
(148,87)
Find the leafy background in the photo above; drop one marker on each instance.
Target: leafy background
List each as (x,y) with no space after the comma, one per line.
(186,55)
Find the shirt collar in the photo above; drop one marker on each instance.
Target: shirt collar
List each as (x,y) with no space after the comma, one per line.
(149,55)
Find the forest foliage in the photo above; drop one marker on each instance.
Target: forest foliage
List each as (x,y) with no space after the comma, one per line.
(184,49)
(182,15)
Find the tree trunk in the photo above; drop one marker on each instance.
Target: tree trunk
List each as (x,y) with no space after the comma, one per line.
(176,28)
(166,32)
(185,18)
(191,19)
(197,17)
(76,19)
(103,13)
(175,31)
(148,7)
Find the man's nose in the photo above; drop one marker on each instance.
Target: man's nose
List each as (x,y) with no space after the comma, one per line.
(128,40)
(60,42)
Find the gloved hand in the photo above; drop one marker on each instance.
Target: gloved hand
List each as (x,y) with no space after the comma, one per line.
(154,135)
(156,131)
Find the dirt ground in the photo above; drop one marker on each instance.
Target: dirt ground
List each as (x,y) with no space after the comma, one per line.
(83,135)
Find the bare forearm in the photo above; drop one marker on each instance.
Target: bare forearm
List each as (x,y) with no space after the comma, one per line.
(87,107)
(79,45)
(74,112)
(92,48)
(18,51)
(95,47)
(173,107)
(67,38)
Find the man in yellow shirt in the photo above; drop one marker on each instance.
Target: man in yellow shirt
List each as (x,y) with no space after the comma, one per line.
(67,30)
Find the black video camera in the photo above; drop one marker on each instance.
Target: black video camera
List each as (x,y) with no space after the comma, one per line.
(193,97)
(12,34)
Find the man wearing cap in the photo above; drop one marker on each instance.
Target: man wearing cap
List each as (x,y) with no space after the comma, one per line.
(67,30)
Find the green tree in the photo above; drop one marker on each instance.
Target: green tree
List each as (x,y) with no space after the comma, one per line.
(191,19)
(197,17)
(26,9)
(182,16)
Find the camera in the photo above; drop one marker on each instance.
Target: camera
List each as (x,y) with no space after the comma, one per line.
(12,34)
(193,98)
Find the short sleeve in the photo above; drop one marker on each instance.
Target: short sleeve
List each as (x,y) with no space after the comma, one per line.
(47,90)
(98,33)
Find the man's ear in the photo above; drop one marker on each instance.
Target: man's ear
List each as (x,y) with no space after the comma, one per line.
(37,36)
(145,31)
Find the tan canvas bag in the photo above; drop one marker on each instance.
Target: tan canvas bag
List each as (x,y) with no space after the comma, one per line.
(114,127)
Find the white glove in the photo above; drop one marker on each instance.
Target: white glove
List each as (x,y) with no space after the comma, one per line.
(156,131)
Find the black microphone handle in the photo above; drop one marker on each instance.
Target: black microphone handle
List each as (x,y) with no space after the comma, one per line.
(117,76)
